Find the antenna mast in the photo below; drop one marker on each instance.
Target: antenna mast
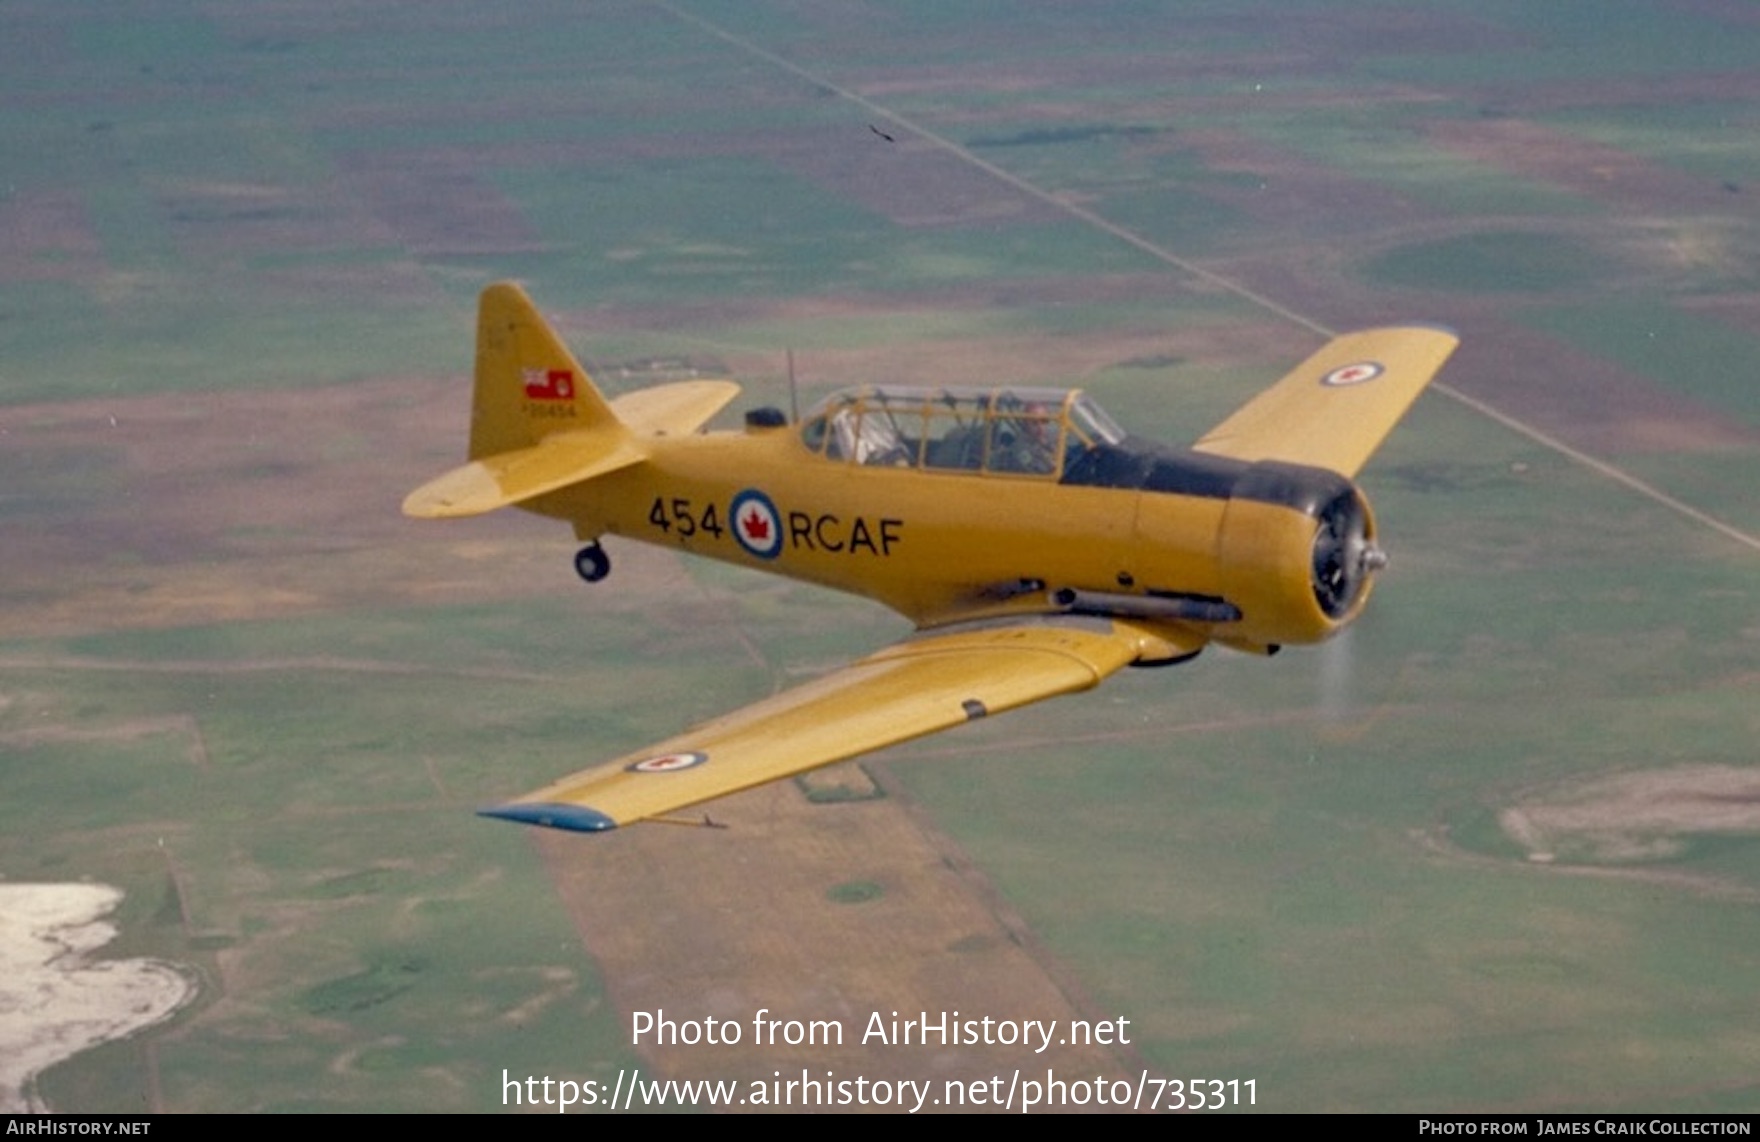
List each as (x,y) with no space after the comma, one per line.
(794,400)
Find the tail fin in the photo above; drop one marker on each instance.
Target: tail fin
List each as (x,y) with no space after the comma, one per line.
(528,385)
(539,425)
(537,422)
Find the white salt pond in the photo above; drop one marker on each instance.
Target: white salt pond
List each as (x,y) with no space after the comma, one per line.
(55,999)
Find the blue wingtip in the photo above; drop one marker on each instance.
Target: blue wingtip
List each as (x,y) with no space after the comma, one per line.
(552,815)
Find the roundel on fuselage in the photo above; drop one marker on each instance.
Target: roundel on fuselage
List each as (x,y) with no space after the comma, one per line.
(757,525)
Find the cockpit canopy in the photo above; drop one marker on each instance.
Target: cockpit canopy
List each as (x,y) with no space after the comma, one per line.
(1009,431)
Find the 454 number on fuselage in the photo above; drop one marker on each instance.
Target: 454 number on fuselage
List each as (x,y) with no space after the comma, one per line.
(762,529)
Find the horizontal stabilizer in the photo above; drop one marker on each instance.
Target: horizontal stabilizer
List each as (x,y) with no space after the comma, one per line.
(677,409)
(514,477)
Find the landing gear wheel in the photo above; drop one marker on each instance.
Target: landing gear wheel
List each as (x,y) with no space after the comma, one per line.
(591,563)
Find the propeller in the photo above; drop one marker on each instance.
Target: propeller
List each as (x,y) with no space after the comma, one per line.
(1343,556)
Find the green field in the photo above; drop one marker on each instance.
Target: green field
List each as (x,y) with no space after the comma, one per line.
(239,248)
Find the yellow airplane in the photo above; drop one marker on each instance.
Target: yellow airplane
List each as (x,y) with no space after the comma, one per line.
(1036,545)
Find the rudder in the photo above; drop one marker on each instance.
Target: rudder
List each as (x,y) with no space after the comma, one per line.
(528,385)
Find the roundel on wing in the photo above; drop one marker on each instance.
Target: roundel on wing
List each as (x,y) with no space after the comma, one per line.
(1352,374)
(669,762)
(757,525)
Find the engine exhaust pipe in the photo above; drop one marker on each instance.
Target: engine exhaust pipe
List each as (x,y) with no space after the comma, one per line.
(1187,608)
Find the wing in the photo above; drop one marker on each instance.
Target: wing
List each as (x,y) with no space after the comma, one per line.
(1335,408)
(928,683)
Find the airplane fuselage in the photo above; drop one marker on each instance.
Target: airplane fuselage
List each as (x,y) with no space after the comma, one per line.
(1219,544)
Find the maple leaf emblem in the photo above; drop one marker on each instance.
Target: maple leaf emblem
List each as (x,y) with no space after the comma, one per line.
(756,527)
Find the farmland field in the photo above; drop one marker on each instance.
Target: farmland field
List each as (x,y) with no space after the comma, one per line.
(1495,849)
